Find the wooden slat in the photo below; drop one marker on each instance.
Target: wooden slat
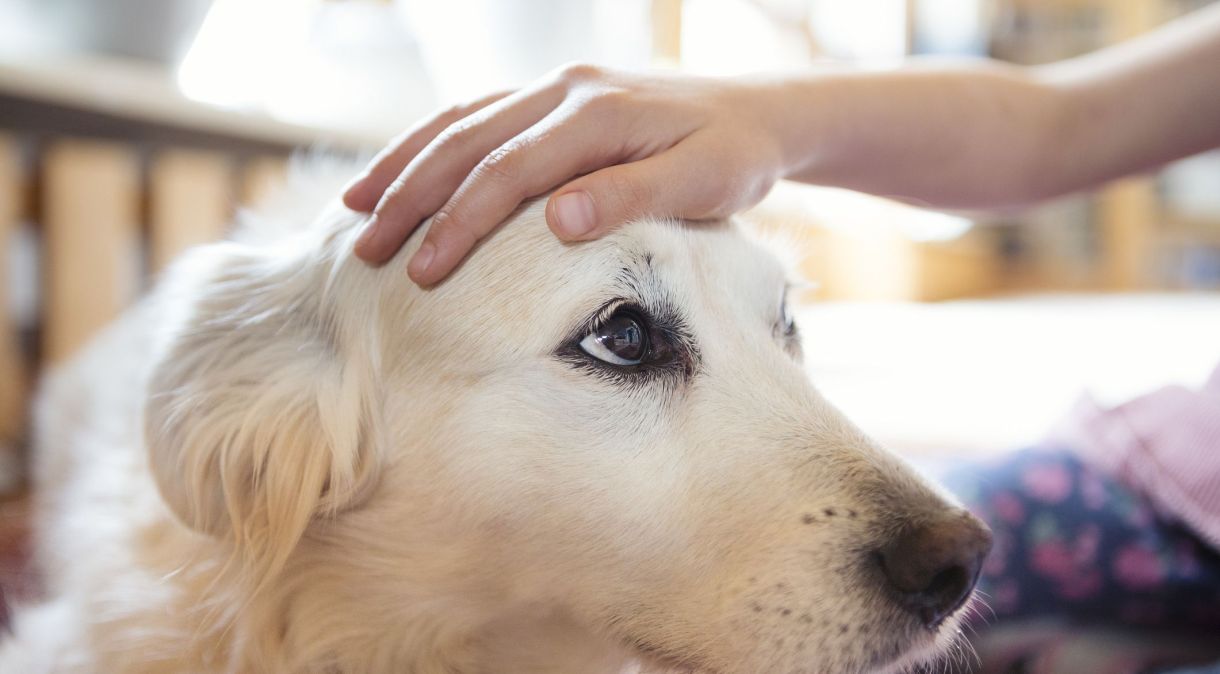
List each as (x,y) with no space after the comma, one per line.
(12,370)
(261,178)
(1128,211)
(1131,18)
(90,204)
(667,32)
(191,202)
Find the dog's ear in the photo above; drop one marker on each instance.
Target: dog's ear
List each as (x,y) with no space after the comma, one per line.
(255,420)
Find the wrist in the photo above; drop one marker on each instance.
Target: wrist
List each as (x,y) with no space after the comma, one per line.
(798,114)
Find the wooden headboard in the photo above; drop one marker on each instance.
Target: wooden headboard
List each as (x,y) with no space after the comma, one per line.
(106,174)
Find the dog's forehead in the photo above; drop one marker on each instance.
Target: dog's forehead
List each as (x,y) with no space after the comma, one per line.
(688,262)
(523,289)
(714,259)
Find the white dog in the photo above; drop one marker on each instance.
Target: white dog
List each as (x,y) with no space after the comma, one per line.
(596,458)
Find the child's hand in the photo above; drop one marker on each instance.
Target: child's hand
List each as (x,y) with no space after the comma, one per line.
(661,145)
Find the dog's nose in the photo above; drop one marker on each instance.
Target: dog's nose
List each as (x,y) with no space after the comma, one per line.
(933,566)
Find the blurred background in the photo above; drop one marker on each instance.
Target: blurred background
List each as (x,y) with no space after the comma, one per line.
(132,129)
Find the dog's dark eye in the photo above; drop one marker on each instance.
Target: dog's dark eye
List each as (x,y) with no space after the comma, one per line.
(626,343)
(621,339)
(786,331)
(787,324)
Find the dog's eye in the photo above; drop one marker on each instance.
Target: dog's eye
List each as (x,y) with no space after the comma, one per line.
(786,331)
(620,340)
(625,342)
(787,324)
(785,327)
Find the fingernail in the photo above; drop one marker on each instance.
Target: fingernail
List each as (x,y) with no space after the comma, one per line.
(366,235)
(574,214)
(423,258)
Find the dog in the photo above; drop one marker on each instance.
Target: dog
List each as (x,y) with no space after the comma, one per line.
(594,458)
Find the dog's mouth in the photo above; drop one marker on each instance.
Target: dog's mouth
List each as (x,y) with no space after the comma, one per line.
(914,652)
(669,660)
(659,659)
(914,658)
(923,650)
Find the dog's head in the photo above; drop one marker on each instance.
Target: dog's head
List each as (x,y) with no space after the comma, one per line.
(619,433)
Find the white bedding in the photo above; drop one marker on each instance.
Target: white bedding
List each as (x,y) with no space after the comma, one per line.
(989,375)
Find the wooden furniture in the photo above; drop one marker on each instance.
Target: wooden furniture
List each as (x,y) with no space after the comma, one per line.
(107,173)
(852,246)
(12,364)
(90,225)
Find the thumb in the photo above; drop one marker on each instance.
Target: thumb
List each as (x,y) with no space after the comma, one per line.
(665,185)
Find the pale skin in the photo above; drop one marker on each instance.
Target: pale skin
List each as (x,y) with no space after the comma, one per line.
(619,145)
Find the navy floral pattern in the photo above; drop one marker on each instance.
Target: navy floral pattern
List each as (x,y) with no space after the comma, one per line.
(1071,542)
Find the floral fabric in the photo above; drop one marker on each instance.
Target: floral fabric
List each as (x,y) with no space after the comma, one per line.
(1073,543)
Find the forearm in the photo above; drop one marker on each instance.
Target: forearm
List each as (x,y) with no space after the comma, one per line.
(615,146)
(982,134)
(1140,104)
(961,135)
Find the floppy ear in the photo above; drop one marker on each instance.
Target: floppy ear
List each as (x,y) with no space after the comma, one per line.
(255,421)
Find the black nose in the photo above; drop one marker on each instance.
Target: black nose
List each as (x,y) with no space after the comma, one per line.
(933,566)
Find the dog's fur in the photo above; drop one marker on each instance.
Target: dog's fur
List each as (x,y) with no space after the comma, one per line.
(285,460)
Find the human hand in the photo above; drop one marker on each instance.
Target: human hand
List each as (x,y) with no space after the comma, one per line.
(641,144)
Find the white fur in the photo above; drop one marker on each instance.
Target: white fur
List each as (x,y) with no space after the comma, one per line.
(287,461)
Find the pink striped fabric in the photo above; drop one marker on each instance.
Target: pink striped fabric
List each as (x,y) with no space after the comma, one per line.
(1166,444)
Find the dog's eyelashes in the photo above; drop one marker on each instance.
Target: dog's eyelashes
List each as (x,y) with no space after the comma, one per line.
(786,330)
(620,340)
(787,324)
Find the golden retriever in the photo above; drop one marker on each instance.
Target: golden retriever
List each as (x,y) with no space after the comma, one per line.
(597,458)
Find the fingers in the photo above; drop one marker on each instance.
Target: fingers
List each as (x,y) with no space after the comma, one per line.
(470,168)
(365,190)
(553,150)
(683,182)
(586,208)
(437,171)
